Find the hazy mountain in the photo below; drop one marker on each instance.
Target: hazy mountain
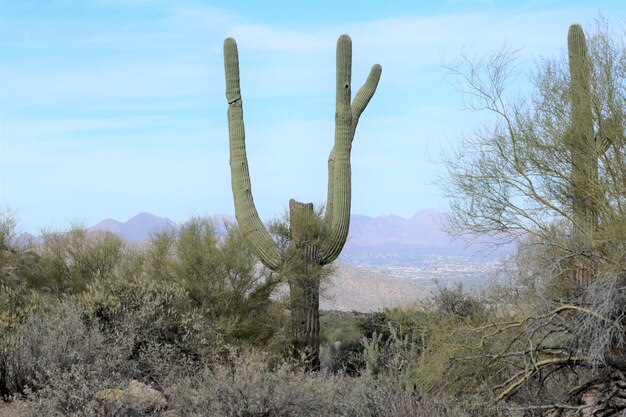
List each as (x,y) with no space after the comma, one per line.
(389,244)
(423,233)
(139,227)
(25,240)
(423,228)
(144,225)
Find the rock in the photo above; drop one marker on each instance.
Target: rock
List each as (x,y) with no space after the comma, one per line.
(170,413)
(109,394)
(145,397)
(137,399)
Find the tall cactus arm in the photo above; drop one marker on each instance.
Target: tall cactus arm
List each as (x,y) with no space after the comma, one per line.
(337,218)
(245,211)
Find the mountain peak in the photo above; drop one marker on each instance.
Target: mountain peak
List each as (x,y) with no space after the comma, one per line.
(392,217)
(428,213)
(137,228)
(144,216)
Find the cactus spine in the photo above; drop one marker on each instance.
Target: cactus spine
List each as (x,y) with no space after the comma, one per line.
(309,249)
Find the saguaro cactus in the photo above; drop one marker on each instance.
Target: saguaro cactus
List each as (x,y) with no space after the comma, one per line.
(586,146)
(310,248)
(584,153)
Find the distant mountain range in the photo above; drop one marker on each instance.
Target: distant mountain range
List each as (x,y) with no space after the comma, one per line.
(424,232)
(425,229)
(144,225)
(138,228)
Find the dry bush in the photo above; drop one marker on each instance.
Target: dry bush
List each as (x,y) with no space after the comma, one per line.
(57,354)
(248,384)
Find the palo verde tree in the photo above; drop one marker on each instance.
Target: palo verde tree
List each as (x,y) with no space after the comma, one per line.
(312,244)
(550,166)
(549,171)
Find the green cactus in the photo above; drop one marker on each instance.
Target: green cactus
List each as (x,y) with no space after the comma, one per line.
(586,146)
(583,151)
(310,247)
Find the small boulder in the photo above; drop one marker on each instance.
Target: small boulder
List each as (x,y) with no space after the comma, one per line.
(109,394)
(137,400)
(145,397)
(170,413)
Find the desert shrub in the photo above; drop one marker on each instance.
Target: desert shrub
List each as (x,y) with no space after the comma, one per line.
(427,358)
(456,301)
(375,323)
(73,259)
(8,228)
(56,360)
(47,348)
(17,306)
(558,352)
(340,342)
(340,325)
(343,356)
(410,406)
(405,321)
(83,355)
(250,384)
(153,321)
(222,278)
(393,358)
(378,331)
(18,267)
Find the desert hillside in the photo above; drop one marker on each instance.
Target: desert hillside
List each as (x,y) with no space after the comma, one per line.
(352,288)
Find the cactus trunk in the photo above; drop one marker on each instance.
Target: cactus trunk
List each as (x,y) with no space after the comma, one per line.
(304,285)
(310,248)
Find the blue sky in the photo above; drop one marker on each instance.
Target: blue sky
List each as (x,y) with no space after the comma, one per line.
(113,107)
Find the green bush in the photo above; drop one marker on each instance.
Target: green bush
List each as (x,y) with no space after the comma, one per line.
(457,302)
(153,321)
(73,259)
(38,354)
(222,279)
